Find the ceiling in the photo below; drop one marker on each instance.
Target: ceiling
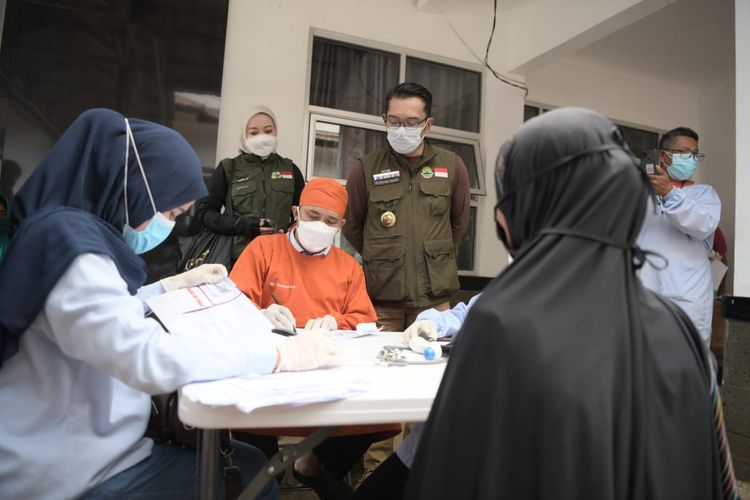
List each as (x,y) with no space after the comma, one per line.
(690,42)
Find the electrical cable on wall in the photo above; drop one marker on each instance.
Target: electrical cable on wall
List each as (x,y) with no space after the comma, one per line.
(485,62)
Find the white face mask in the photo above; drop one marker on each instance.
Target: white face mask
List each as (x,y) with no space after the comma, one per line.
(315,235)
(404,140)
(260,144)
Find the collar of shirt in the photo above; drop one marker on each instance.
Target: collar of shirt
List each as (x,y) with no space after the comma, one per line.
(291,234)
(681,184)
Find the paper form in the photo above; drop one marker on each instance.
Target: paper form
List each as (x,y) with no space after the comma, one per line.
(219,307)
(294,388)
(223,308)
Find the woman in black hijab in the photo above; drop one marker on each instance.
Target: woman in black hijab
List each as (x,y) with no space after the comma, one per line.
(569,379)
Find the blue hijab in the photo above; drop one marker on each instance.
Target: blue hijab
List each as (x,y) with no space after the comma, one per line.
(73,204)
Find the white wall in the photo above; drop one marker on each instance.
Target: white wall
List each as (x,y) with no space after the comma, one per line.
(266,61)
(618,94)
(742,115)
(717,140)
(542,31)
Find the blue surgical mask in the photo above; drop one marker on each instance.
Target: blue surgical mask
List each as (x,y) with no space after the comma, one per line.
(157,230)
(683,166)
(159,227)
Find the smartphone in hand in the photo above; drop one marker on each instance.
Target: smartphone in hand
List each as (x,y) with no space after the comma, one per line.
(649,160)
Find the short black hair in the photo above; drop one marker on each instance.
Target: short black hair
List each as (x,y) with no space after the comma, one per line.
(666,139)
(410,89)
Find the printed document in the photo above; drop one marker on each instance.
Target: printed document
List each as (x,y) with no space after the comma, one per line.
(223,308)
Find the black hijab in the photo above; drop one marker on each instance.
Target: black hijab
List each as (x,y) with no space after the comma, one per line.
(73,204)
(569,379)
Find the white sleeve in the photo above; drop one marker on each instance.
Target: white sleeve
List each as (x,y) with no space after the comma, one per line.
(147,291)
(695,212)
(94,319)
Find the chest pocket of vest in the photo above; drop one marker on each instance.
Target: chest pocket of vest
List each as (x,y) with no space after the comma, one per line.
(386,197)
(283,185)
(245,197)
(437,197)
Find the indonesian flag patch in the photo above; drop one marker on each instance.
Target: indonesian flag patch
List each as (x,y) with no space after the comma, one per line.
(441,172)
(286,174)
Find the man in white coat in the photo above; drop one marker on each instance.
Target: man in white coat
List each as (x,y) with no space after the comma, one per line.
(681,226)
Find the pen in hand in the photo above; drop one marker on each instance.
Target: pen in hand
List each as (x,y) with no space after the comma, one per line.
(279,329)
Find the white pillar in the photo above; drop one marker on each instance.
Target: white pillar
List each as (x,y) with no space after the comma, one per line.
(742,117)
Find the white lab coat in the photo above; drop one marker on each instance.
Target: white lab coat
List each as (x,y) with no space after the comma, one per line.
(74,400)
(681,228)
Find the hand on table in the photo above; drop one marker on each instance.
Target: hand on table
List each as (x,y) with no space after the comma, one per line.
(306,351)
(425,326)
(327,322)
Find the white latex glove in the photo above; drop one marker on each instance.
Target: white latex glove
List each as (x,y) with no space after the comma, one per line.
(307,351)
(280,317)
(426,326)
(205,273)
(327,322)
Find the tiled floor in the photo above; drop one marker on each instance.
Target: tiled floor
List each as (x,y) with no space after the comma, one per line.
(744,489)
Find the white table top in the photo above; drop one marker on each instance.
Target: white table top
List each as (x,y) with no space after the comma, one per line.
(397,394)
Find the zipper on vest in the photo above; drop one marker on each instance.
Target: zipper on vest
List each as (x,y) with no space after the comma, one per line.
(263,185)
(411,179)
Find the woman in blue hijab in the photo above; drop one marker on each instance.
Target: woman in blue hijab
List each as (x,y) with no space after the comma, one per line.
(79,358)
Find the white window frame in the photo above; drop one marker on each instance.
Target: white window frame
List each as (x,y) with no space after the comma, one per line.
(375,122)
(543,108)
(473,271)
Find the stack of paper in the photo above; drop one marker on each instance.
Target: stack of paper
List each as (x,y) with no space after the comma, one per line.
(257,391)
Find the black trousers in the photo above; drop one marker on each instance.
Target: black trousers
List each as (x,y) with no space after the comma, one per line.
(337,454)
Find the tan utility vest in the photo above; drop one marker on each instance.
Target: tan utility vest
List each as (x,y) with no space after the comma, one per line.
(412,263)
(260,188)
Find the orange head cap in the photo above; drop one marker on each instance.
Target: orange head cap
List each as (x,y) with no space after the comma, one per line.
(326,193)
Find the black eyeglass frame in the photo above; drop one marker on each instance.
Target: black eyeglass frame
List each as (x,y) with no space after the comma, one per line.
(402,124)
(699,157)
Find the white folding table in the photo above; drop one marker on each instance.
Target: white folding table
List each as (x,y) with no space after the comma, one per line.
(397,394)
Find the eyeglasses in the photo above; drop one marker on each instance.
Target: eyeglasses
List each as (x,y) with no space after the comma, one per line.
(393,122)
(685,155)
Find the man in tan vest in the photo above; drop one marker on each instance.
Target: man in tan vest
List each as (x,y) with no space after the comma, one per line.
(408,210)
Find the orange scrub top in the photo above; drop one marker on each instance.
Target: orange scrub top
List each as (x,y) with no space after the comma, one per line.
(311,286)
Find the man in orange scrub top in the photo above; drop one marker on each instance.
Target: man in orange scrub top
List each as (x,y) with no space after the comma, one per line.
(302,271)
(301,275)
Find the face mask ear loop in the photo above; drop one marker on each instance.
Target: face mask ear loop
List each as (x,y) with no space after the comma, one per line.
(125,181)
(140,165)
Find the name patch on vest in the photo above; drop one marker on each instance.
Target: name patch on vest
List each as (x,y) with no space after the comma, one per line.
(386,177)
(283,174)
(441,172)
